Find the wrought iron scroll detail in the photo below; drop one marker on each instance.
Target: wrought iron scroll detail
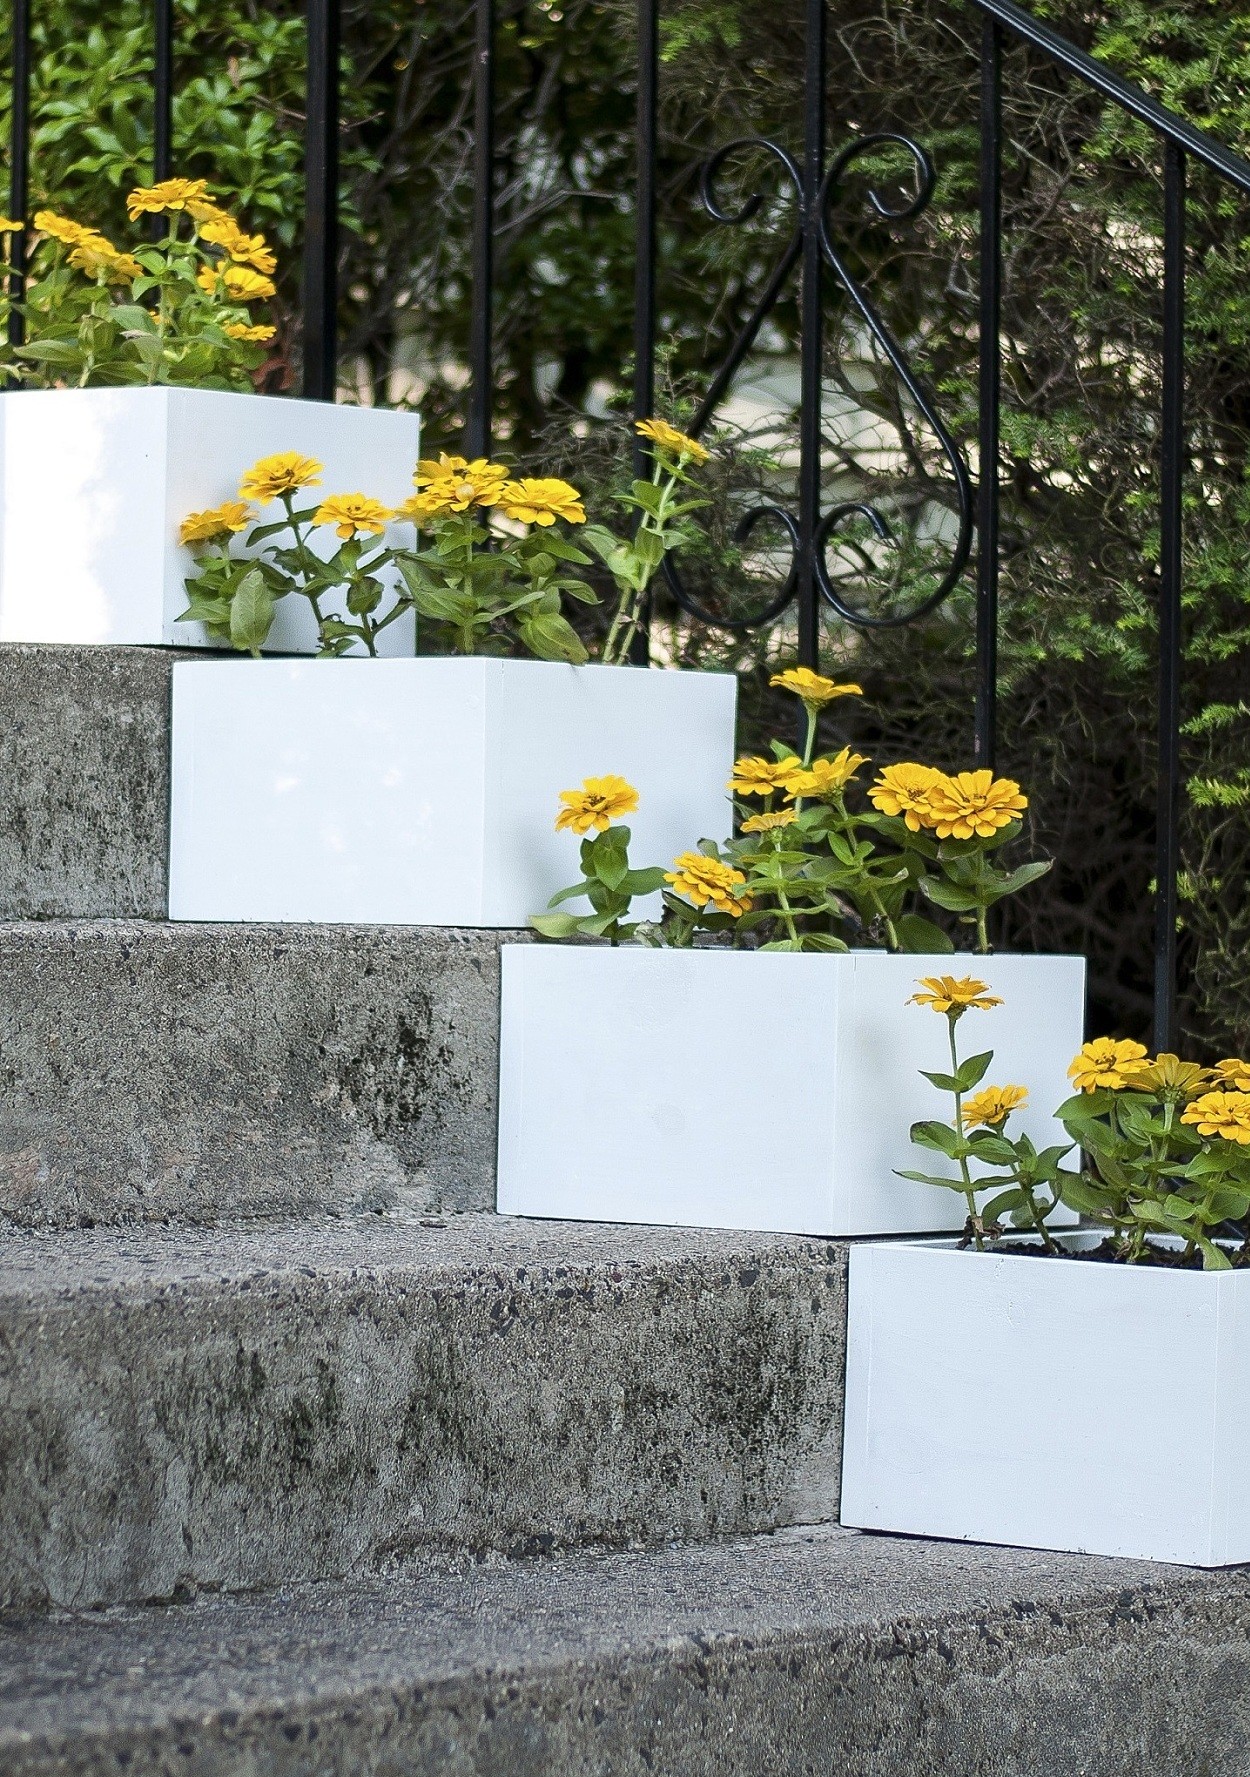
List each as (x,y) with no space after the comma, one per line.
(812,211)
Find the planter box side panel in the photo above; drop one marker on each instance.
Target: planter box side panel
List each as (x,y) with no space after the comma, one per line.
(1230,1430)
(214,436)
(83,515)
(670,734)
(1035,1402)
(339,791)
(632,1089)
(885,1042)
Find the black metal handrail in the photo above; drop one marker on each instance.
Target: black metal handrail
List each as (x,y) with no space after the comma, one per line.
(811,250)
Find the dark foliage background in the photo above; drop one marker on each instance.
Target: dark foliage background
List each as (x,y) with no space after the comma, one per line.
(1082,328)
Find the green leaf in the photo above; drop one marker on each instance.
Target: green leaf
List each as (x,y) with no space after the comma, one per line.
(555,925)
(928,1178)
(994,1149)
(920,936)
(940,1137)
(1084,1197)
(1003,1204)
(972,1071)
(251,613)
(945,894)
(643,882)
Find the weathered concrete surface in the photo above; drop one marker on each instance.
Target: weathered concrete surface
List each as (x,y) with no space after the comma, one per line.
(84,760)
(192,1071)
(809,1653)
(244,1406)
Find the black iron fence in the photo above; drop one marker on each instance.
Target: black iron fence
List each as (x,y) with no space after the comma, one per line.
(811,252)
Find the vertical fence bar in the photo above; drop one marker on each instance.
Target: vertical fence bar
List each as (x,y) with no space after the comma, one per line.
(812,332)
(321,202)
(1167,840)
(163,94)
(985,736)
(481,367)
(19,163)
(645,151)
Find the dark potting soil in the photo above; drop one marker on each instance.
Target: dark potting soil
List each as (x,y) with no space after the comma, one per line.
(1106,1253)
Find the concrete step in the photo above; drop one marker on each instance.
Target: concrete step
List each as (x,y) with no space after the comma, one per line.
(84,760)
(248,1405)
(192,1071)
(807,1652)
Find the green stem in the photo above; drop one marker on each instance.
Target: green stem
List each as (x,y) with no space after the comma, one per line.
(983,941)
(969,1191)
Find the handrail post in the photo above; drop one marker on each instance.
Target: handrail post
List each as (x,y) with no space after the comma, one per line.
(321,209)
(1167,840)
(989,395)
(163,92)
(646,148)
(812,335)
(19,166)
(481,319)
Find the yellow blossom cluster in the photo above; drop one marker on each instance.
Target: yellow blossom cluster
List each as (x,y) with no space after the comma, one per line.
(954,995)
(596,805)
(670,442)
(969,805)
(1222,1114)
(991,1107)
(452,485)
(707,882)
(90,251)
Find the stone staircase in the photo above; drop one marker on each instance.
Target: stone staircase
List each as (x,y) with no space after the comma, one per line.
(311,1464)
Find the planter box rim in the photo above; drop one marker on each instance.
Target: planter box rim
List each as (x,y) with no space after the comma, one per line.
(950,1246)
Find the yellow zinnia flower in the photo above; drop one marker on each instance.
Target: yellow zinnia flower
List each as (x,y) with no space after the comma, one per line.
(753,776)
(247,249)
(239,282)
(280,474)
(769,823)
(1168,1077)
(99,258)
(904,789)
(216,523)
(706,881)
(1232,1075)
(1226,1114)
(993,1105)
(1107,1064)
(241,330)
(541,500)
(672,442)
(825,778)
(169,194)
(8,226)
(946,993)
(599,801)
(63,228)
(974,804)
(814,688)
(352,513)
(453,484)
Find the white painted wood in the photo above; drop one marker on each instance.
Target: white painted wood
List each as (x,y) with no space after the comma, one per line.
(1087,1407)
(768,1090)
(95,483)
(425,791)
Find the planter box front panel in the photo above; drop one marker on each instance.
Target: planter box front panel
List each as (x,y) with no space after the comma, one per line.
(424,791)
(97,481)
(767,1091)
(1093,1408)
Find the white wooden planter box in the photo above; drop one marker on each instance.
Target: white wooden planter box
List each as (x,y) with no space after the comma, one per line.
(95,483)
(1051,1404)
(425,791)
(715,1088)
